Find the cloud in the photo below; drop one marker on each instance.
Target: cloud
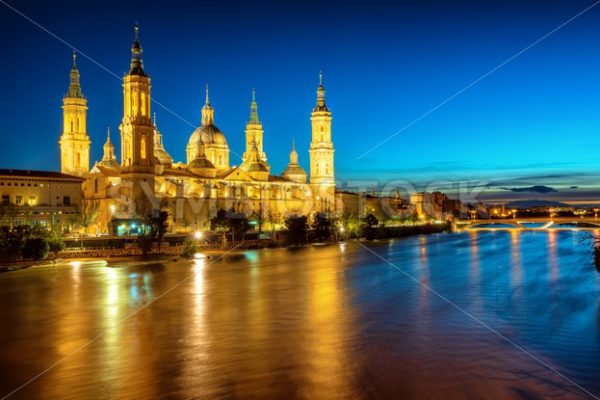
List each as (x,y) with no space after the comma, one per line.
(534,189)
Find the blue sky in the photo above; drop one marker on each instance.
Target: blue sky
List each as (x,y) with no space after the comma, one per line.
(535,121)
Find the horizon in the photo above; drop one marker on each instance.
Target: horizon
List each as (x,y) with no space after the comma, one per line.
(531,123)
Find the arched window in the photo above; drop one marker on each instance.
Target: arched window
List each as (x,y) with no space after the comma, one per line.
(143,147)
(96,185)
(71,125)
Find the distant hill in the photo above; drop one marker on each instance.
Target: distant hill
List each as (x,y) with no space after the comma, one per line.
(535,203)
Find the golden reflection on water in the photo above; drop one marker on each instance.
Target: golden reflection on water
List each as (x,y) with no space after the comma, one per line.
(515,258)
(424,277)
(552,255)
(329,340)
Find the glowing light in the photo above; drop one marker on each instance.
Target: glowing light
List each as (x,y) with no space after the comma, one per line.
(112,208)
(197,235)
(75,264)
(199,256)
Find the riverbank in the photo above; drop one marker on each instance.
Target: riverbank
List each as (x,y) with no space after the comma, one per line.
(172,252)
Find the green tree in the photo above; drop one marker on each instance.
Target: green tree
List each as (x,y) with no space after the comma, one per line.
(234,223)
(35,248)
(369,222)
(55,243)
(322,226)
(297,228)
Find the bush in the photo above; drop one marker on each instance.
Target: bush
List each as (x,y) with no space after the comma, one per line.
(35,248)
(55,245)
(369,222)
(144,243)
(189,248)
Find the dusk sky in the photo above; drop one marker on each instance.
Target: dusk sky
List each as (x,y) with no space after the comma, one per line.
(534,121)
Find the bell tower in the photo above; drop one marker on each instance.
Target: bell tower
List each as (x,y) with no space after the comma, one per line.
(254,136)
(74,140)
(322,178)
(137,129)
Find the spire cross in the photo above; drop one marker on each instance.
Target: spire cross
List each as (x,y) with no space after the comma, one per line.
(108,134)
(320,77)
(253,95)
(293,144)
(207,93)
(155,119)
(136,30)
(74,58)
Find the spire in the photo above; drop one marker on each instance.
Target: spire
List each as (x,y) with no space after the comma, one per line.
(293,154)
(253,110)
(74,84)
(154,119)
(208,113)
(321,106)
(137,67)
(109,149)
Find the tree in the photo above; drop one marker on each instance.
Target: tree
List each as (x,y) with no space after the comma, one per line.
(234,223)
(35,248)
(159,226)
(369,222)
(322,226)
(55,243)
(297,228)
(89,212)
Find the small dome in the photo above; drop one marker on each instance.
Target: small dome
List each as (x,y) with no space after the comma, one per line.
(201,163)
(255,167)
(294,170)
(109,163)
(163,156)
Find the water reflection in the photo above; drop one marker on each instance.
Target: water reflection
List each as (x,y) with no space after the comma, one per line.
(329,322)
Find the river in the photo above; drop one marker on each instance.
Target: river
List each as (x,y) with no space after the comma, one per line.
(480,315)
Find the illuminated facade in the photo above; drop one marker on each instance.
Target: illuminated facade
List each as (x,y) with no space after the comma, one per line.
(194,191)
(74,140)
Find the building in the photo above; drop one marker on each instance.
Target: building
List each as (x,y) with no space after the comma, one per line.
(193,191)
(40,197)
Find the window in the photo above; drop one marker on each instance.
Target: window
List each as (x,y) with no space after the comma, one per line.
(66,200)
(96,185)
(31,201)
(143,147)
(19,200)
(5,199)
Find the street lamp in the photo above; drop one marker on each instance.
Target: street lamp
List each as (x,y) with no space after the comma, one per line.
(197,235)
(514,213)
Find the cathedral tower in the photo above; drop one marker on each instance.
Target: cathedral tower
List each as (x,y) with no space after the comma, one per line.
(137,130)
(74,141)
(254,136)
(322,179)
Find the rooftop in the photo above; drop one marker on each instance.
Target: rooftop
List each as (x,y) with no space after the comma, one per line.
(37,174)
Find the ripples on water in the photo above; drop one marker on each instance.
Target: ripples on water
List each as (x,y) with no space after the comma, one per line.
(328,322)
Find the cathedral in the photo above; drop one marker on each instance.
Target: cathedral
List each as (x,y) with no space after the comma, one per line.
(195,190)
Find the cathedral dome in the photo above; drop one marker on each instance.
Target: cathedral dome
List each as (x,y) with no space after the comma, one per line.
(207,135)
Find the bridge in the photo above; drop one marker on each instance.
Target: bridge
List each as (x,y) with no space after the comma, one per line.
(534,224)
